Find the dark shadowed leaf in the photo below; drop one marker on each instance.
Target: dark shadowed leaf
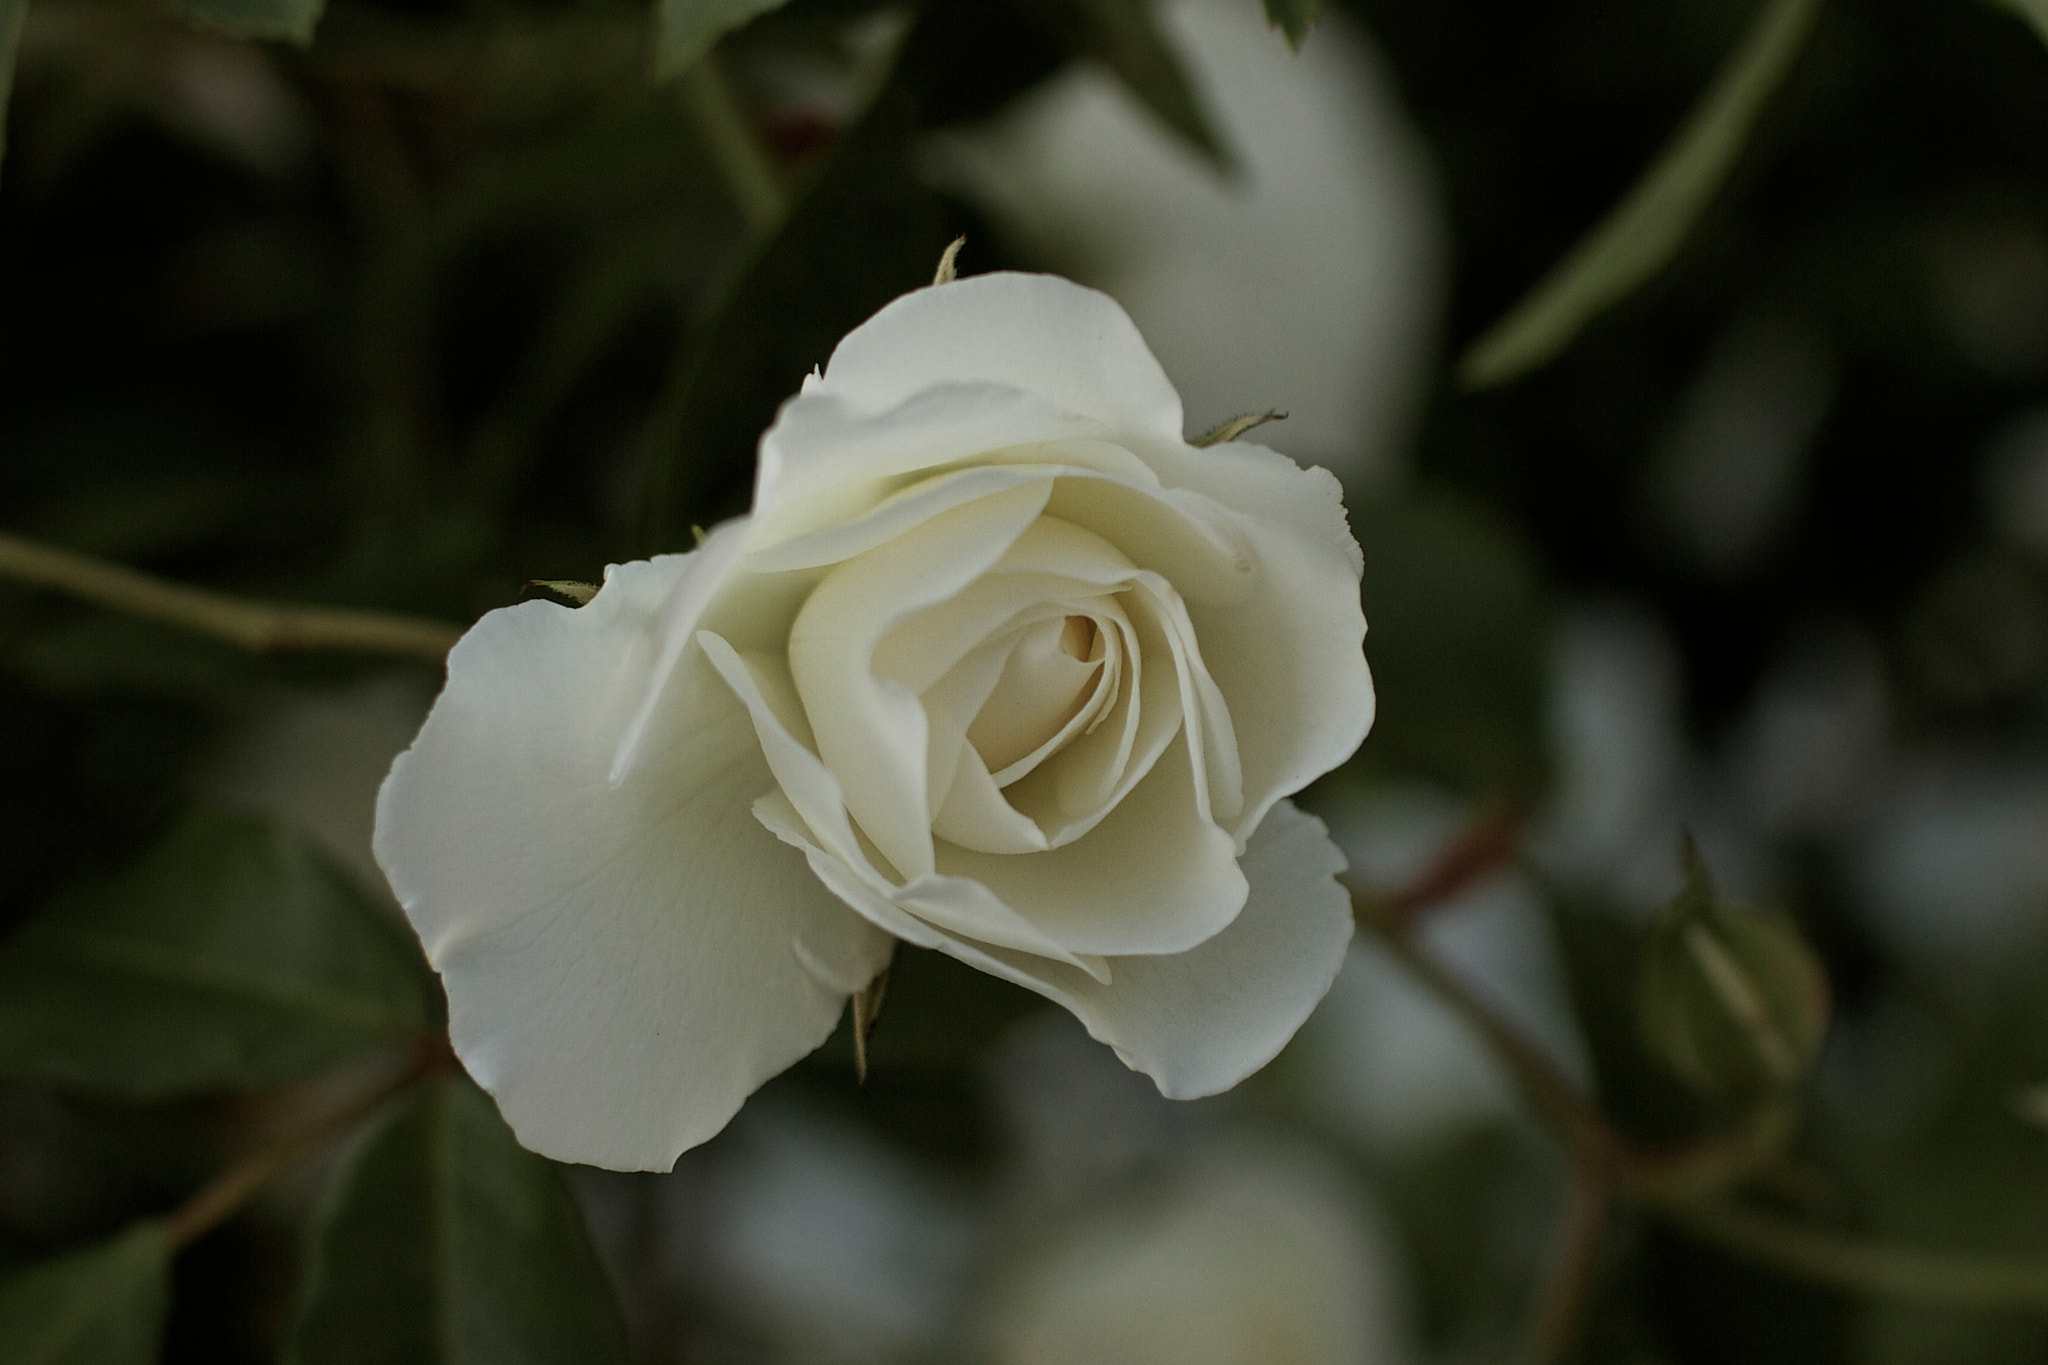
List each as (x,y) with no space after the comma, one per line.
(230,956)
(103,1305)
(1125,36)
(863,231)
(687,29)
(1293,17)
(1641,234)
(444,1242)
(291,20)
(1458,622)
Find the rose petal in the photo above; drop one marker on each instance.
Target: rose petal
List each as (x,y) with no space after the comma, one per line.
(1201,1021)
(870,730)
(1153,876)
(624,963)
(1197,1022)
(1048,336)
(806,801)
(827,464)
(1290,664)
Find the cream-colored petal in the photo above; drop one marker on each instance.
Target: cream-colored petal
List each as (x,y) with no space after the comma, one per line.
(1252,481)
(932,912)
(1068,795)
(1039,333)
(1051,672)
(975,815)
(853,481)
(1201,1021)
(871,731)
(625,962)
(1290,663)
(807,798)
(1196,1022)
(672,626)
(1153,876)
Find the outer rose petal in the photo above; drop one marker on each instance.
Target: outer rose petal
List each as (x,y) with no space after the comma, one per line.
(1290,663)
(1201,1021)
(624,964)
(1047,336)
(1196,1022)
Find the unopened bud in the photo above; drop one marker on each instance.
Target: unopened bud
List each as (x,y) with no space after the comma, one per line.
(1731,1000)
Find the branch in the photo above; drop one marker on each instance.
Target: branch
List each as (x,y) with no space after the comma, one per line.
(217,1201)
(258,626)
(1685,1186)
(1555,1326)
(1553,1094)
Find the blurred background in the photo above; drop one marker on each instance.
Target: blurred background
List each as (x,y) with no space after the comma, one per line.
(456,297)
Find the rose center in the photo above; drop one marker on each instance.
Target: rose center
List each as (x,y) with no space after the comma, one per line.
(1048,677)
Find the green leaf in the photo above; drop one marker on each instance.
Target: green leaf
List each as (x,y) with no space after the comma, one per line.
(12,13)
(1294,18)
(1125,36)
(291,20)
(1458,636)
(1641,234)
(444,1242)
(687,29)
(863,230)
(231,955)
(103,1305)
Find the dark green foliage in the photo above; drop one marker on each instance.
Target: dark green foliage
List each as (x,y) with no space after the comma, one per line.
(293,20)
(100,1305)
(687,29)
(1457,621)
(862,231)
(444,1242)
(231,955)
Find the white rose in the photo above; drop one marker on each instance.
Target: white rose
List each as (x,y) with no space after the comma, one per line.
(998,665)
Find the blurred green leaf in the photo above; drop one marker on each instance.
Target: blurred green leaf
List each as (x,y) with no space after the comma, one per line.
(103,1305)
(863,231)
(1458,625)
(1641,234)
(444,1242)
(12,13)
(687,29)
(1733,1001)
(1125,36)
(1294,18)
(232,955)
(291,20)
